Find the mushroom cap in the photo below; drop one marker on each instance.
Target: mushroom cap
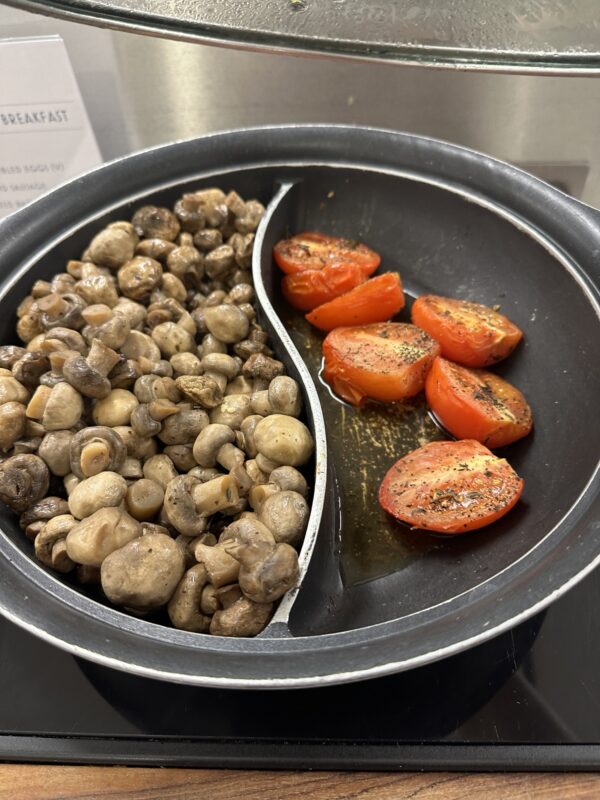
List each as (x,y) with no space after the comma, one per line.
(55,449)
(46,508)
(179,506)
(270,579)
(24,479)
(285,514)
(184,605)
(115,453)
(85,378)
(209,441)
(284,440)
(242,618)
(100,491)
(144,573)
(112,247)
(96,536)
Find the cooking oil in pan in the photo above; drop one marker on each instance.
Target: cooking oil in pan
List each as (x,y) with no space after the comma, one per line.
(363,444)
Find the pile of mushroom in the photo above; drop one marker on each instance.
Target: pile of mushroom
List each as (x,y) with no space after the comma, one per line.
(150,441)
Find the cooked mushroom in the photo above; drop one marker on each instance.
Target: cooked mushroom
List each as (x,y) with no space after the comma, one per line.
(113,246)
(144,573)
(44,509)
(50,543)
(226,323)
(186,263)
(138,345)
(139,277)
(30,367)
(24,479)
(180,508)
(243,618)
(289,479)
(201,389)
(9,354)
(258,494)
(265,576)
(215,495)
(88,375)
(62,409)
(97,289)
(285,514)
(92,539)
(184,426)
(96,449)
(114,409)
(222,568)
(144,499)
(232,411)
(284,396)
(261,366)
(100,491)
(173,338)
(284,440)
(209,441)
(154,222)
(12,424)
(184,605)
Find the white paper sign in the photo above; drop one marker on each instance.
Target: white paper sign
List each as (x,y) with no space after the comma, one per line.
(45,133)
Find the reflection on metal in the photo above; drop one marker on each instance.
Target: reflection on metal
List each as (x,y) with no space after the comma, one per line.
(536,36)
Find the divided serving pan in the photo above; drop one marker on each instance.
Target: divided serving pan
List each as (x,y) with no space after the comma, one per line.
(452,222)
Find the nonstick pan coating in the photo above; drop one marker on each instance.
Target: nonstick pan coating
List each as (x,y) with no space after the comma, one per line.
(453,221)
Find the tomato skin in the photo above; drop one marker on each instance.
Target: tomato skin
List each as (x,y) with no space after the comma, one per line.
(469,333)
(311,288)
(377,300)
(450,487)
(385,361)
(312,250)
(475,404)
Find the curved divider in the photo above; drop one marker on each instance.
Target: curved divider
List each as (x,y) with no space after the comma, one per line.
(262,273)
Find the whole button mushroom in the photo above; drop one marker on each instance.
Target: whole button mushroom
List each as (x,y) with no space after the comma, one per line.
(44,510)
(289,479)
(226,323)
(100,491)
(95,537)
(266,572)
(24,479)
(284,396)
(232,411)
(114,409)
(179,506)
(63,409)
(55,449)
(139,277)
(12,424)
(184,606)
(284,440)
(144,573)
(156,222)
(112,247)
(172,338)
(96,449)
(243,618)
(285,514)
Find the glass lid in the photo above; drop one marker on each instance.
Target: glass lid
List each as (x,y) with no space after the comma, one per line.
(535,36)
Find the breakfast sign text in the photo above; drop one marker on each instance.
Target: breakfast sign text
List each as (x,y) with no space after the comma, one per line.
(45,133)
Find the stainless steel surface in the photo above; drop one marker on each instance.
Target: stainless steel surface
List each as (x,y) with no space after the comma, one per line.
(560,36)
(142,91)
